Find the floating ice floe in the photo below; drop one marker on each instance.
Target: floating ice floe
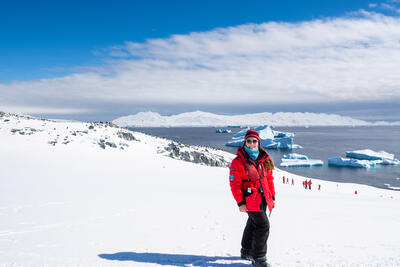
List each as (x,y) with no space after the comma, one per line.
(223,131)
(348,162)
(298,160)
(388,162)
(364,158)
(392,187)
(369,154)
(269,138)
(295,156)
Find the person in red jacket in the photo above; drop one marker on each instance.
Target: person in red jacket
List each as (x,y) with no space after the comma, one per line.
(309,183)
(252,186)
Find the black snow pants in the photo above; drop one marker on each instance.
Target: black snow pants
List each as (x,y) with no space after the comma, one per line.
(255,234)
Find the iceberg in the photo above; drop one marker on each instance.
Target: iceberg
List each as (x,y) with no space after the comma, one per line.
(380,157)
(223,131)
(348,162)
(296,146)
(387,161)
(369,154)
(295,156)
(269,138)
(392,187)
(298,160)
(301,162)
(390,162)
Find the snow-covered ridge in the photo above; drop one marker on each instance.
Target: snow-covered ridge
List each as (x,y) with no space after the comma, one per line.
(103,136)
(206,119)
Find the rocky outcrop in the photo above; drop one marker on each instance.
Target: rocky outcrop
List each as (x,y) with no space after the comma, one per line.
(199,155)
(126,136)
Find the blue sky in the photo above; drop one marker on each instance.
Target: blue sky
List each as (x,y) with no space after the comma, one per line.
(42,39)
(97,60)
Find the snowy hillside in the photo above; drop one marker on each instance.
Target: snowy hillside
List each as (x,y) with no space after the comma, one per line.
(200,118)
(93,194)
(105,136)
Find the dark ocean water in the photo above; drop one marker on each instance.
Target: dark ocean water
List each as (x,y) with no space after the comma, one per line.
(318,143)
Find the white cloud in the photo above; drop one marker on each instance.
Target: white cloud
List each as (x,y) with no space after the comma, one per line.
(385,6)
(41,110)
(353,58)
(389,7)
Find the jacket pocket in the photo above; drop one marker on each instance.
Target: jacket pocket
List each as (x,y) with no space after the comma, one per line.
(252,196)
(248,192)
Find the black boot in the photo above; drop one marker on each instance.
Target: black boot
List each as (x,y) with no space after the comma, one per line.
(246,255)
(260,262)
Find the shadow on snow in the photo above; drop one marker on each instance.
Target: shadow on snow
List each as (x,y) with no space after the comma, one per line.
(175,259)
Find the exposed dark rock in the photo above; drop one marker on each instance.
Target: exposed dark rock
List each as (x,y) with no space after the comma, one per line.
(25,131)
(126,136)
(102,144)
(53,142)
(185,156)
(111,144)
(174,149)
(176,152)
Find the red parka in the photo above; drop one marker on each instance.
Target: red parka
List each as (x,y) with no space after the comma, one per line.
(250,181)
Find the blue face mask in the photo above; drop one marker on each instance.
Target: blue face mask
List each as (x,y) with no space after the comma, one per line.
(252,153)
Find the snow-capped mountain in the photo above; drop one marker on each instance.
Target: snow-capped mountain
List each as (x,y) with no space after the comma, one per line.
(206,119)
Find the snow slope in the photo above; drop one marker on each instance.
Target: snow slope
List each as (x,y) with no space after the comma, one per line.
(203,119)
(78,204)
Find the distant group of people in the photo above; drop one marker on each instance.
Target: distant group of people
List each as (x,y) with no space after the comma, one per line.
(306,183)
(286,180)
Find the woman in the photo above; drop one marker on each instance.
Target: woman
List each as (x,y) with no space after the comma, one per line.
(253,188)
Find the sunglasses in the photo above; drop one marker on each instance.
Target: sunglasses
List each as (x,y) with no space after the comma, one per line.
(254,141)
